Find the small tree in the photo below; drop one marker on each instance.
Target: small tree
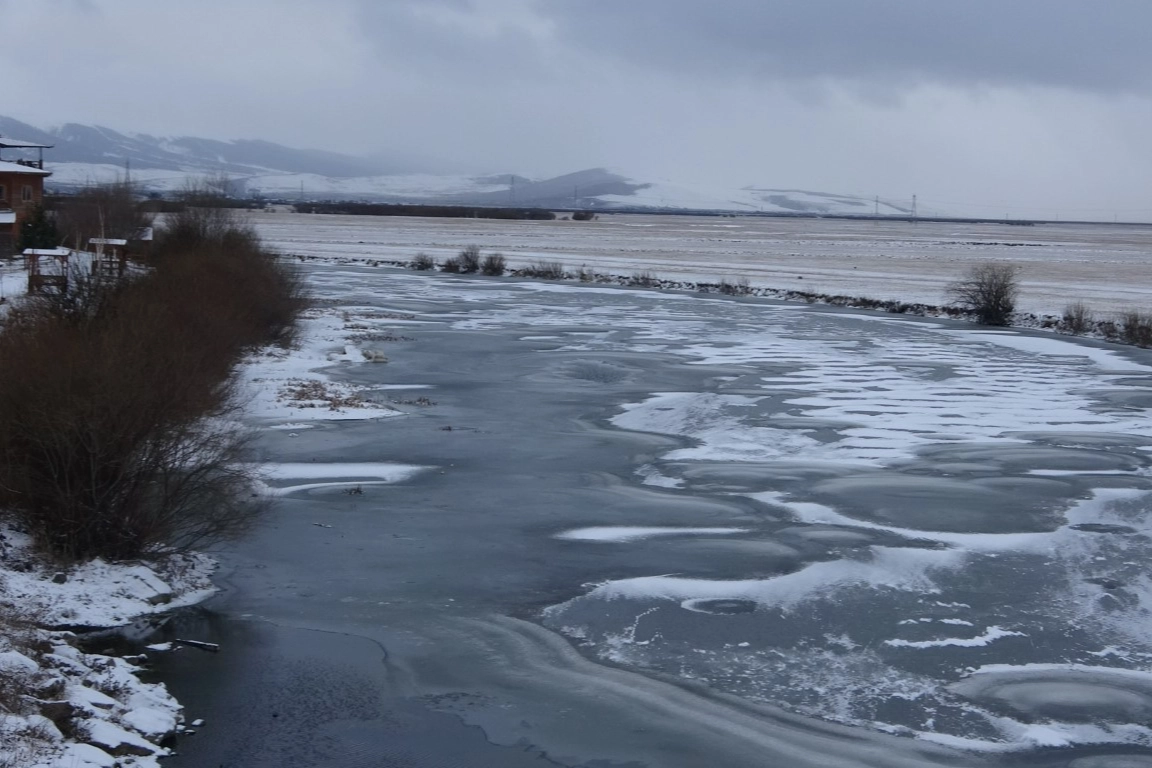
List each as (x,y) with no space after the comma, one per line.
(38,230)
(988,291)
(105,210)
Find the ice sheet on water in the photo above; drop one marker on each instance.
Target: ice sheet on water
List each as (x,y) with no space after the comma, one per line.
(284,478)
(635,533)
(831,418)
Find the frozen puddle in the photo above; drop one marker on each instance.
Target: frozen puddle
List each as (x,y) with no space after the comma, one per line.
(285,478)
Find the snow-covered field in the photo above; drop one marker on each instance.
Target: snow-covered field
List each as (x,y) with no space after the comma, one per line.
(1105,266)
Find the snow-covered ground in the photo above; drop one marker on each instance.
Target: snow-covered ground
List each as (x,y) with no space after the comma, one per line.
(93,710)
(669,194)
(1105,266)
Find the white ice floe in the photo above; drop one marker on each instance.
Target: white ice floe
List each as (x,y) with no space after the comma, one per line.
(897,568)
(991,634)
(332,474)
(622,533)
(1105,359)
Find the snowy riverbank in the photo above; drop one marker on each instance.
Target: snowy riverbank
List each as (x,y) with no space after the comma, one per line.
(61,707)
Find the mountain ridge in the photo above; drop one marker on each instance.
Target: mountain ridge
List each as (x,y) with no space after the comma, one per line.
(87,154)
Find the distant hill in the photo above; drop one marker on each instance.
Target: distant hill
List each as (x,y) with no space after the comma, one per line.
(86,154)
(94,145)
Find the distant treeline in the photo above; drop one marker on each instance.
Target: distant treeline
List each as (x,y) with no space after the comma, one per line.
(448,211)
(151,205)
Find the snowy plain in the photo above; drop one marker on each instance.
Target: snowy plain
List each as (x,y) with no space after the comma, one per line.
(1103,265)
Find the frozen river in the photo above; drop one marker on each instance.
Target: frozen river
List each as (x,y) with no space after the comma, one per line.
(637,529)
(1106,266)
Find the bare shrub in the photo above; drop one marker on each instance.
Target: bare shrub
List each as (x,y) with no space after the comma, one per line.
(115,437)
(988,291)
(1136,328)
(423,262)
(494,265)
(105,210)
(105,450)
(740,287)
(585,275)
(546,270)
(470,260)
(644,280)
(451,265)
(1077,318)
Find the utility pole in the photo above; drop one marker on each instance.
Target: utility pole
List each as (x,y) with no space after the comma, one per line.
(913,209)
(512,189)
(876,208)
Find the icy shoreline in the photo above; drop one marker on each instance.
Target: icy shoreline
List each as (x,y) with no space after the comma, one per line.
(89,710)
(80,709)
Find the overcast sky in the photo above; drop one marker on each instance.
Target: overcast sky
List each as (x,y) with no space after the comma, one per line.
(1026,107)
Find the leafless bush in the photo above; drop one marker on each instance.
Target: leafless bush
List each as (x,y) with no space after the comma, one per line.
(115,439)
(988,291)
(739,288)
(104,445)
(451,265)
(203,218)
(213,253)
(644,280)
(493,265)
(585,275)
(470,260)
(545,270)
(1136,328)
(423,262)
(105,210)
(1077,318)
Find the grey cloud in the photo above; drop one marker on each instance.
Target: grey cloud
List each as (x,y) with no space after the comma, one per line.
(1075,44)
(450,41)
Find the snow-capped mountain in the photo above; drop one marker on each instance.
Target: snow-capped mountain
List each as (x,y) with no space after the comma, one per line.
(84,155)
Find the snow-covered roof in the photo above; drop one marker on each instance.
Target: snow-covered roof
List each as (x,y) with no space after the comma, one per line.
(7,217)
(21,144)
(7,167)
(107,241)
(47,252)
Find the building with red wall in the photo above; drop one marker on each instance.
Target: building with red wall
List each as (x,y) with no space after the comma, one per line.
(21,189)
